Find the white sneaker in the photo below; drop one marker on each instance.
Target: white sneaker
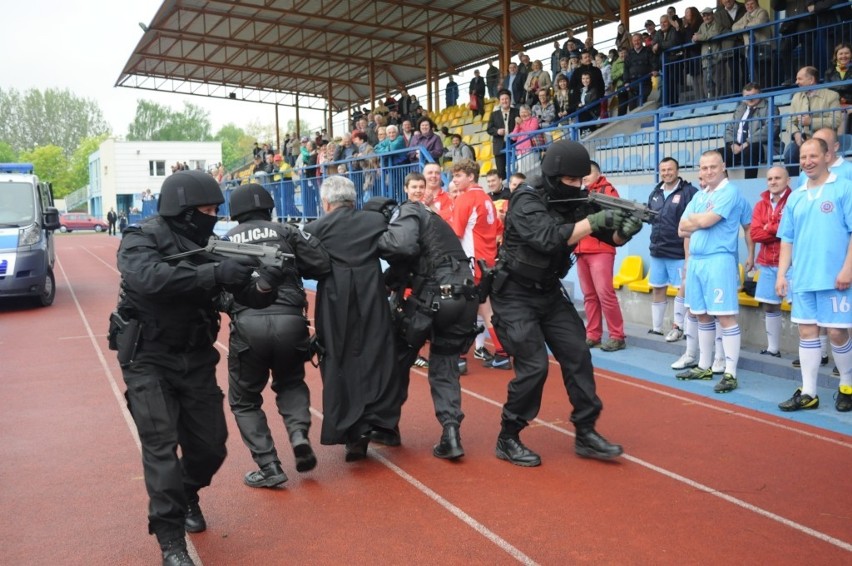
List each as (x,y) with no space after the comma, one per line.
(718,366)
(685,361)
(674,334)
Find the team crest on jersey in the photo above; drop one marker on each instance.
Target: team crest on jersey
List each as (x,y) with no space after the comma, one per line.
(675,199)
(827,207)
(709,206)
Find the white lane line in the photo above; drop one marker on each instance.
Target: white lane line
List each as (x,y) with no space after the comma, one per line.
(696,485)
(119,396)
(97,257)
(721,409)
(496,539)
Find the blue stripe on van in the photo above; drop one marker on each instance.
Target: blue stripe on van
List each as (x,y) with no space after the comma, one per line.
(8,241)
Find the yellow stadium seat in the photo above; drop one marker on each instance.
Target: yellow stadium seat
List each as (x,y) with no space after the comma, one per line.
(630,271)
(485,151)
(455,122)
(640,286)
(786,306)
(467,139)
(557,134)
(743,298)
(671,291)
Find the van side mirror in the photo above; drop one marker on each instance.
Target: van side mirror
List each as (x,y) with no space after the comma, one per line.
(51,218)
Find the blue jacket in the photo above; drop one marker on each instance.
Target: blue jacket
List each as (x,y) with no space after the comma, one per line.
(665,243)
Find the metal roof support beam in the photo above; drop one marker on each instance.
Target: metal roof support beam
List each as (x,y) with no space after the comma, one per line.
(590,26)
(506,52)
(624,13)
(298,121)
(329,125)
(277,131)
(428,73)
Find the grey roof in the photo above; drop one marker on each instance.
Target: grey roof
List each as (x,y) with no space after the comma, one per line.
(275,50)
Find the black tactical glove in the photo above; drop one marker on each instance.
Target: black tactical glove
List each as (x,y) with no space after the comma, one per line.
(629,227)
(605,220)
(234,270)
(270,277)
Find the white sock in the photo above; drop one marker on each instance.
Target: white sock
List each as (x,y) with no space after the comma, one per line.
(843,359)
(823,345)
(731,339)
(706,335)
(479,341)
(809,358)
(658,312)
(773,331)
(691,331)
(719,344)
(679,311)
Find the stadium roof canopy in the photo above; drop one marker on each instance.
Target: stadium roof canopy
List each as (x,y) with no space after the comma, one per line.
(310,53)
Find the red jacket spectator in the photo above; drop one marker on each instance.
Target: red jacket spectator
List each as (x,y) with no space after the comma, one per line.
(590,244)
(764,225)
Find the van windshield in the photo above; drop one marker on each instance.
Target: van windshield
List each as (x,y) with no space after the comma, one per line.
(17,204)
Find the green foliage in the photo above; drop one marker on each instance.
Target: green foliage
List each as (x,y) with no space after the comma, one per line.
(7,154)
(305,129)
(49,163)
(78,166)
(236,145)
(51,118)
(155,122)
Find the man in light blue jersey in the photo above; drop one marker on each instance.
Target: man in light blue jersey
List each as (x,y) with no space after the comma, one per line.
(712,222)
(815,237)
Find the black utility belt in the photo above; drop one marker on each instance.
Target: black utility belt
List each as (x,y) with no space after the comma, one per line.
(154,346)
(526,283)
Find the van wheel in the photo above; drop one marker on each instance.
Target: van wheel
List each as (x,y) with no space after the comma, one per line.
(48,293)
(63,229)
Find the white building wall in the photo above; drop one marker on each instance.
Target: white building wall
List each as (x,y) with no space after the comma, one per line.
(123,168)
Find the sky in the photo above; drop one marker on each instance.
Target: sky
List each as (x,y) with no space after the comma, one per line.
(83,46)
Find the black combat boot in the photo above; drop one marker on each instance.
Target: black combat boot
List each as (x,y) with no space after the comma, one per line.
(357,449)
(175,554)
(590,444)
(386,436)
(306,460)
(449,448)
(511,449)
(194,522)
(269,475)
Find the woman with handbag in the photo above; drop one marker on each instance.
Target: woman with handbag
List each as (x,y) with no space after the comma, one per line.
(526,158)
(536,80)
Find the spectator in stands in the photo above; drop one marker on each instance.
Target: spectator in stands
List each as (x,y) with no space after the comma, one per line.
(477,92)
(407,132)
(710,57)
(761,52)
(617,62)
(674,19)
(427,138)
(544,109)
(345,150)
(500,124)
(692,21)
(439,199)
(589,46)
(414,109)
(562,99)
(514,84)
(459,150)
(795,41)
(669,199)
(575,85)
(393,119)
(731,71)
(595,261)
(712,222)
(809,111)
(602,63)
(404,104)
(562,71)
(492,79)
(817,243)
(639,66)
(382,134)
(525,66)
(526,123)
(368,164)
(452,92)
(588,100)
(536,79)
(555,57)
(841,70)
(381,109)
(666,38)
(623,39)
(747,135)
(651,30)
(765,220)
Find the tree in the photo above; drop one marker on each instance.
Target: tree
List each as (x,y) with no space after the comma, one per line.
(305,129)
(155,122)
(53,117)
(7,154)
(49,163)
(78,166)
(236,145)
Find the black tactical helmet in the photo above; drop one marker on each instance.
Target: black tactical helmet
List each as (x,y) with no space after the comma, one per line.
(384,205)
(566,158)
(248,198)
(187,189)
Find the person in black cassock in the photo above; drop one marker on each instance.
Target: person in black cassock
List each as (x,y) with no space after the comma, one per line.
(353,323)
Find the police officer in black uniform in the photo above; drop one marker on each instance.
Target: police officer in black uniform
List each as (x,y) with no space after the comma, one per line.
(531,309)
(164,328)
(426,256)
(275,338)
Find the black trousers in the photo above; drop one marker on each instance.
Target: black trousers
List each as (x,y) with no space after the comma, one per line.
(752,157)
(527,322)
(175,402)
(448,342)
(261,343)
(111,230)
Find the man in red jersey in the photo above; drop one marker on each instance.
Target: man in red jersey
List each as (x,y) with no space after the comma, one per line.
(437,198)
(476,224)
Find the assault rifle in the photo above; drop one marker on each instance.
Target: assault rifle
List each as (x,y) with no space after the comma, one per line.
(632,207)
(268,255)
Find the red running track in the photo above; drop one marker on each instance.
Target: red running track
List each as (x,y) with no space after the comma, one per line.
(701,482)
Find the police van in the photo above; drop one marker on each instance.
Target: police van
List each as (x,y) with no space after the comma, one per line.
(27,221)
